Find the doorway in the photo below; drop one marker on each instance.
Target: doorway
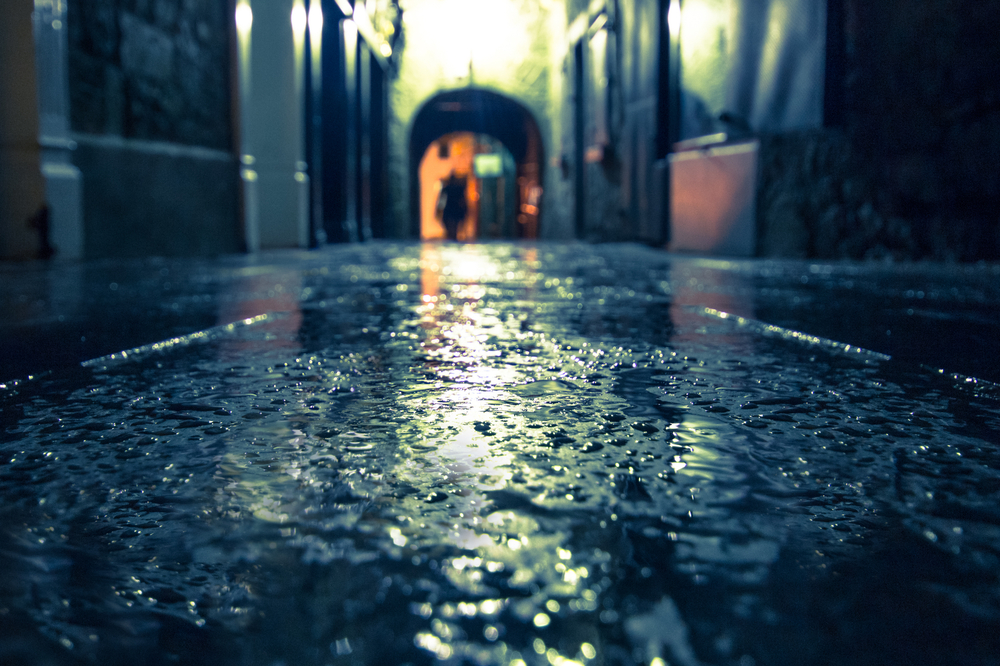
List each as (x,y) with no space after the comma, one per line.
(495,144)
(488,170)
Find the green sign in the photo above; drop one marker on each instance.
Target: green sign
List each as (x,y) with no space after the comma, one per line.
(488,165)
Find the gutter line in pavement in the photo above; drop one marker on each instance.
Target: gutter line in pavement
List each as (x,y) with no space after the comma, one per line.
(182,340)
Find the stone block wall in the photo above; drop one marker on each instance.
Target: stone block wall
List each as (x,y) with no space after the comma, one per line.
(616,56)
(156,70)
(150,87)
(910,172)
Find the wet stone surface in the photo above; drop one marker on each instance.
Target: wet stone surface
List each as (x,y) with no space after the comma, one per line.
(499,455)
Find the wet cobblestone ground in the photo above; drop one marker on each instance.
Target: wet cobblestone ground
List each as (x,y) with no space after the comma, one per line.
(499,454)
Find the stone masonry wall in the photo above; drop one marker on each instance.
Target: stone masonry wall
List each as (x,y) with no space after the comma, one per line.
(156,70)
(816,199)
(150,109)
(912,172)
(923,95)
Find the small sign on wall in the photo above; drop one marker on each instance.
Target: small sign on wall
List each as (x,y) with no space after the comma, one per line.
(488,165)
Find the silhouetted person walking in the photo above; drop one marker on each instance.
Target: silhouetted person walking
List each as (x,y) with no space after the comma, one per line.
(452,206)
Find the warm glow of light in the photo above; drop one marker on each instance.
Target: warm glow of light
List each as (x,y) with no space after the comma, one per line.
(457,341)
(315,20)
(702,23)
(244,21)
(433,169)
(599,41)
(244,18)
(490,35)
(674,18)
(705,50)
(385,49)
(472,266)
(316,43)
(458,47)
(299,19)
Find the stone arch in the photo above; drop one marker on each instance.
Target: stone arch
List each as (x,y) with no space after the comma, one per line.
(483,112)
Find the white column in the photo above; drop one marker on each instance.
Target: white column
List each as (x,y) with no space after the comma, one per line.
(63,184)
(271,41)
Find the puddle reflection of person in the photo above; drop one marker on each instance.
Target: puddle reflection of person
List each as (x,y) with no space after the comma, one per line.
(452,206)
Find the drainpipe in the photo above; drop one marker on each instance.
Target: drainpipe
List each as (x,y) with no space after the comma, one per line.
(669,111)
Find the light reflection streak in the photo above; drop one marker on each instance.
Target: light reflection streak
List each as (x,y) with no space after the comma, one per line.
(214,333)
(475,395)
(299,21)
(466,438)
(455,341)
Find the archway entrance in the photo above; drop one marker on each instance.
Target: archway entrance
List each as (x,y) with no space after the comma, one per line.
(495,144)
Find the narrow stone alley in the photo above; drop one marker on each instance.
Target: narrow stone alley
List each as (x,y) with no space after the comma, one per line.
(499,454)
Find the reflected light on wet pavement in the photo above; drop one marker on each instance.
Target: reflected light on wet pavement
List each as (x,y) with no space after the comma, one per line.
(500,454)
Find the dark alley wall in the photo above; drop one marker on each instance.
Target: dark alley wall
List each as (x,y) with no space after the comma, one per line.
(609,127)
(908,170)
(640,181)
(150,107)
(923,96)
(151,69)
(902,163)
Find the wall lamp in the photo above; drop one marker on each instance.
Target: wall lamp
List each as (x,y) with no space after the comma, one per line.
(244,18)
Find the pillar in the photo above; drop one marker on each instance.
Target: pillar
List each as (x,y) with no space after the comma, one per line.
(365,65)
(63,183)
(21,183)
(352,226)
(271,44)
(314,128)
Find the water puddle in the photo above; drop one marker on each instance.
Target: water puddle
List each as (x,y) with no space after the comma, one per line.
(463,457)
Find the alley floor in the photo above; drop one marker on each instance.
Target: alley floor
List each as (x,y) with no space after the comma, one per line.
(499,454)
